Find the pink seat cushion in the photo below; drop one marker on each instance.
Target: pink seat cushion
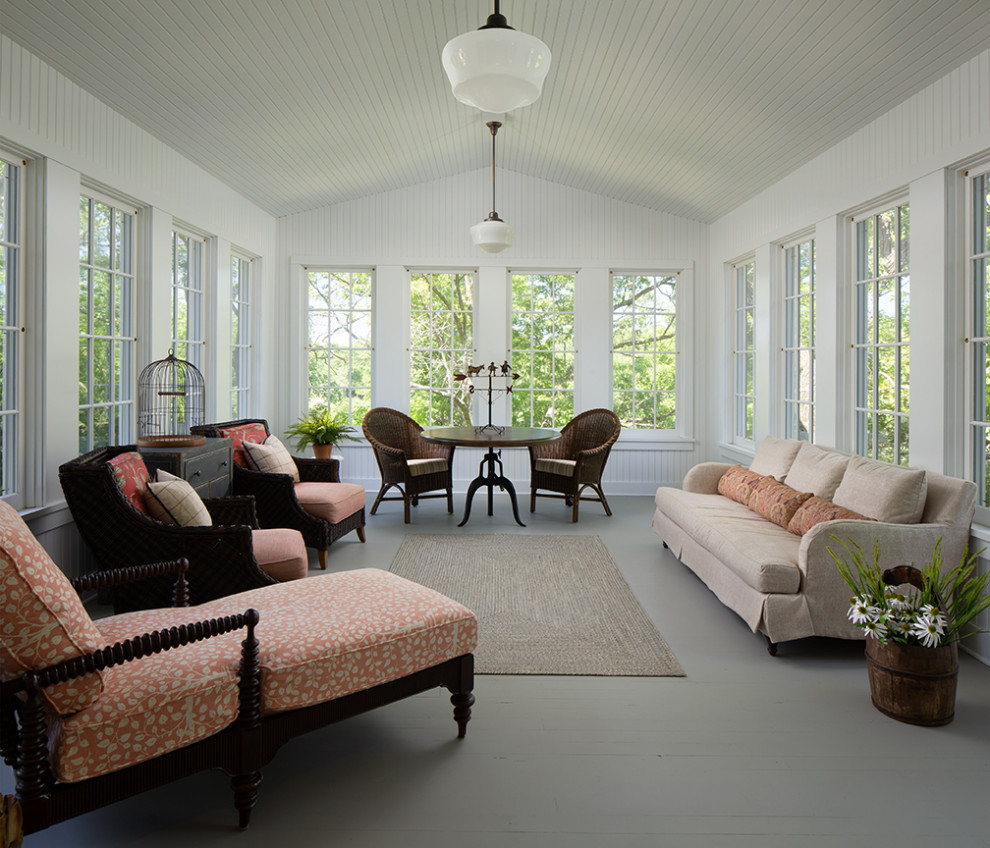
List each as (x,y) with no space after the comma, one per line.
(332,502)
(320,639)
(280,553)
(42,620)
(131,475)
(244,433)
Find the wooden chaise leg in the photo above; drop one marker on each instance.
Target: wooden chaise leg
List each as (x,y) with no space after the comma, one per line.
(462,701)
(246,785)
(245,795)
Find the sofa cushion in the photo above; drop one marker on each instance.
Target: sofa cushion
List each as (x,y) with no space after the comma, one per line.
(738,483)
(882,491)
(270,457)
(817,471)
(280,552)
(761,554)
(131,475)
(815,510)
(776,502)
(427,465)
(244,433)
(332,502)
(172,500)
(774,457)
(42,620)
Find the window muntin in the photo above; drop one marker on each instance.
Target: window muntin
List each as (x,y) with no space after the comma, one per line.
(542,349)
(241,291)
(743,350)
(441,344)
(799,341)
(188,297)
(644,350)
(882,335)
(106,324)
(11,373)
(339,350)
(978,265)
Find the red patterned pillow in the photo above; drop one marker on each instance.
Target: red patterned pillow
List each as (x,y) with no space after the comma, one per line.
(131,475)
(244,433)
(776,501)
(738,483)
(815,510)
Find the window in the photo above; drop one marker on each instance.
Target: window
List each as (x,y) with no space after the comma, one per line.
(106,321)
(11,215)
(542,350)
(644,350)
(882,335)
(339,350)
(441,344)
(743,350)
(188,297)
(799,341)
(241,285)
(978,255)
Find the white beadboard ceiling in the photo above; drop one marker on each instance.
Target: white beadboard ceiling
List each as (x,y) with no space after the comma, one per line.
(688,107)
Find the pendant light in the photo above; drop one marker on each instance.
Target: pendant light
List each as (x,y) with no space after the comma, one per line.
(495,68)
(492,234)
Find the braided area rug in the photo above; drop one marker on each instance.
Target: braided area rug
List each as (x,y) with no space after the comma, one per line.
(553,605)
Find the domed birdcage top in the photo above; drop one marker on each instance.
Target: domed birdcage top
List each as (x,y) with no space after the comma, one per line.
(171,399)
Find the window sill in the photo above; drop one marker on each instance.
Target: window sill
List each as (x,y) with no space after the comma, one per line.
(636,440)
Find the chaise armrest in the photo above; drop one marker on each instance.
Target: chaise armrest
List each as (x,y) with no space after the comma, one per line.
(134,573)
(703,478)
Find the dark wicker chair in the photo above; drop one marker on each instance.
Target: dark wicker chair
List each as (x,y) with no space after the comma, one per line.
(275,496)
(576,461)
(403,456)
(221,557)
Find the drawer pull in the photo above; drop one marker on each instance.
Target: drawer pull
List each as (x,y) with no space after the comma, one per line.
(223,464)
(196,474)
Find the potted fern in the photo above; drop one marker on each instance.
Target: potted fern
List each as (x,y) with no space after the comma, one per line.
(321,428)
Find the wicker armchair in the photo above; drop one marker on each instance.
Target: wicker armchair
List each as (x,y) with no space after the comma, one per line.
(576,461)
(222,559)
(277,497)
(406,460)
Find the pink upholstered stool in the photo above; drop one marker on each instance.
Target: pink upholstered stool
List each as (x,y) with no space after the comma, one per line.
(332,502)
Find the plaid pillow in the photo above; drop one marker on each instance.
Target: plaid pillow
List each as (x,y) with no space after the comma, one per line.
(172,500)
(272,457)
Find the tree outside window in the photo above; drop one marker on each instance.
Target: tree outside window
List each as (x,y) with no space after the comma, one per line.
(799,341)
(978,254)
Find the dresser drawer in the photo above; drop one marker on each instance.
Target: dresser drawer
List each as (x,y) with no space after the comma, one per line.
(205,469)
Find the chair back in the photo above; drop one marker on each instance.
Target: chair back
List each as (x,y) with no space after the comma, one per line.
(592,429)
(239,431)
(392,428)
(43,620)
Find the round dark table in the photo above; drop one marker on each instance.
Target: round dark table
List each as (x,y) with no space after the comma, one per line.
(491,437)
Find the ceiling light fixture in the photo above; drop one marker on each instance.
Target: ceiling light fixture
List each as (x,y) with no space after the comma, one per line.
(495,68)
(492,234)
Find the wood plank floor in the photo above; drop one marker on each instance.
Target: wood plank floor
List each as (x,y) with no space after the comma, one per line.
(747,750)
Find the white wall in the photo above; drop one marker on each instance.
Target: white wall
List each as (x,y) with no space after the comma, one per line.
(915,150)
(558,228)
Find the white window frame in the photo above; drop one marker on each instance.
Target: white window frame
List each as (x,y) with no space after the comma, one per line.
(742,352)
(458,358)
(792,349)
(12,424)
(865,352)
(650,316)
(977,414)
(321,394)
(242,359)
(195,291)
(120,405)
(521,389)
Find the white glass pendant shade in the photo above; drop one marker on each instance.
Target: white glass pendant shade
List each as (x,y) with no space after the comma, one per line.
(496,69)
(492,235)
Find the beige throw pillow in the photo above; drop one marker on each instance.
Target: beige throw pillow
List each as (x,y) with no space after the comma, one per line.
(271,457)
(172,500)
(774,457)
(882,491)
(817,471)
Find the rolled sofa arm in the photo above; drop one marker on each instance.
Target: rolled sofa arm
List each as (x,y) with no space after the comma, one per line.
(703,478)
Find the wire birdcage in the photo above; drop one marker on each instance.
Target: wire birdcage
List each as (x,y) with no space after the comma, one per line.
(171,399)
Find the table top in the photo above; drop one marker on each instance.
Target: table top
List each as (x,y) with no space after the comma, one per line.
(504,437)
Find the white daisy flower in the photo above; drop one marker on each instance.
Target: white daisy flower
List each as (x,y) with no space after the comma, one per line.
(860,610)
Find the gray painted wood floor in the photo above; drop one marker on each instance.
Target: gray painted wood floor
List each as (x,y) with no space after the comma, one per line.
(747,750)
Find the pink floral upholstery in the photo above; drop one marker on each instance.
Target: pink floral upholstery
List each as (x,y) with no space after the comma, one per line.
(816,510)
(332,502)
(244,433)
(738,483)
(42,620)
(320,638)
(131,475)
(776,501)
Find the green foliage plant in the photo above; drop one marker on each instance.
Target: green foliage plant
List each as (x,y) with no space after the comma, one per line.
(932,616)
(320,426)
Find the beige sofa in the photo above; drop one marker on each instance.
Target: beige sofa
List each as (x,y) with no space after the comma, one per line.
(787,586)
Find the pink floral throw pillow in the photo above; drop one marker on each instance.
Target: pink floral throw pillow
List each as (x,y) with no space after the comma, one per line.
(815,510)
(738,483)
(131,475)
(244,433)
(776,501)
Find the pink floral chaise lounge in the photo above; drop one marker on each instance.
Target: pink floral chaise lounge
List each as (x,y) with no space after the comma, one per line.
(97,710)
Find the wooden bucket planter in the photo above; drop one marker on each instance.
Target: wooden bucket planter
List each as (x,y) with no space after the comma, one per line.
(912,683)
